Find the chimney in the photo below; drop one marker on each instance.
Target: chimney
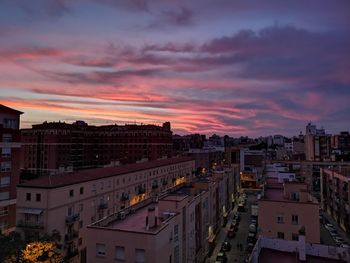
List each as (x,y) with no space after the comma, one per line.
(151,219)
(301,245)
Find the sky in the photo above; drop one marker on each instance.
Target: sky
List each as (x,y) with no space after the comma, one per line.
(226,67)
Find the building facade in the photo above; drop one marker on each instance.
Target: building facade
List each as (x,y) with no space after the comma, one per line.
(67,203)
(9,166)
(179,227)
(317,144)
(335,195)
(285,209)
(56,147)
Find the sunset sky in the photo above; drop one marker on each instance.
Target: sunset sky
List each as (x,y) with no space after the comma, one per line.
(229,67)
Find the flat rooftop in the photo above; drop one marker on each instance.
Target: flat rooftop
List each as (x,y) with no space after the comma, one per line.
(136,222)
(274,256)
(61,180)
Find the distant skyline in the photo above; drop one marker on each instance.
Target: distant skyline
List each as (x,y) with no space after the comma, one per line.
(242,68)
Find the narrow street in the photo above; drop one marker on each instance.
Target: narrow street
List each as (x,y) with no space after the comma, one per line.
(235,254)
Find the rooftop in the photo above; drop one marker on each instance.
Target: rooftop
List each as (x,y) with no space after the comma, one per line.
(275,256)
(61,180)
(6,109)
(136,222)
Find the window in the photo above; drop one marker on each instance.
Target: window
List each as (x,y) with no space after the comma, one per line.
(176,233)
(81,190)
(6,152)
(280,219)
(295,219)
(139,255)
(100,250)
(80,241)
(4,181)
(10,123)
(280,235)
(71,193)
(4,211)
(295,237)
(81,207)
(70,211)
(6,137)
(38,197)
(28,196)
(120,253)
(294,196)
(4,195)
(80,224)
(5,166)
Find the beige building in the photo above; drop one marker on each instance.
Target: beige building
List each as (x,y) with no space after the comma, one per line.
(69,202)
(286,209)
(178,227)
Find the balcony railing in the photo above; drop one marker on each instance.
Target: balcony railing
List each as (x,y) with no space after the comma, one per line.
(28,224)
(72,218)
(102,206)
(71,236)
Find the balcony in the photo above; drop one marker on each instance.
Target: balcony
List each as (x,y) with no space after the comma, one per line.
(72,218)
(71,236)
(141,191)
(124,197)
(27,224)
(102,205)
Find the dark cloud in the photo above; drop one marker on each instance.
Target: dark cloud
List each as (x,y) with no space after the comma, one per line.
(179,17)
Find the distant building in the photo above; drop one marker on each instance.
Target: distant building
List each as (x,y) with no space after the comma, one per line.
(9,166)
(57,147)
(317,144)
(278,139)
(206,158)
(67,203)
(285,209)
(335,195)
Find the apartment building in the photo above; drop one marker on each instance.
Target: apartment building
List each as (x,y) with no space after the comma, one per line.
(67,203)
(317,144)
(56,147)
(179,227)
(285,209)
(9,166)
(335,195)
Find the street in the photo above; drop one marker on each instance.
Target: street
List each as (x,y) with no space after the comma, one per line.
(235,254)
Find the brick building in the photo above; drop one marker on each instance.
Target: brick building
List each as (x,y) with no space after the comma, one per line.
(9,163)
(56,147)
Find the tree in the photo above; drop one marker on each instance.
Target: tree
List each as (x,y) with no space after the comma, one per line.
(11,247)
(46,252)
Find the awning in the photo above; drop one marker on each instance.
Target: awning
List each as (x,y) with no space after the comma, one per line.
(33,211)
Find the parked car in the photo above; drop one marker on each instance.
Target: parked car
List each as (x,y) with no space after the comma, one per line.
(252,228)
(338,240)
(225,247)
(235,222)
(344,245)
(253,221)
(221,257)
(329,226)
(333,233)
(231,232)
